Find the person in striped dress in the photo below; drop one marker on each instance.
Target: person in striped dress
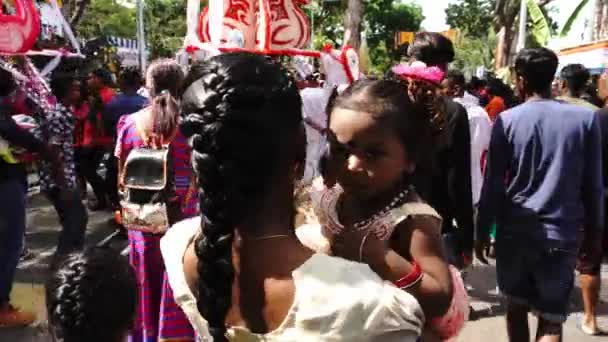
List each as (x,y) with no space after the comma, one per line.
(158,317)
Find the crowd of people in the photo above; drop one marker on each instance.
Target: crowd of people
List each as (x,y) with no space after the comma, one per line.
(421,172)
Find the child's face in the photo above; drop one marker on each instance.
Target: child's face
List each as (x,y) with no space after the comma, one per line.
(367,157)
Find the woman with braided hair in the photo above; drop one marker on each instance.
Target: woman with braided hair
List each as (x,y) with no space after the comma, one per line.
(91,296)
(239,272)
(158,317)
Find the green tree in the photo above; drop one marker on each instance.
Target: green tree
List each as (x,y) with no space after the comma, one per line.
(503,18)
(474,17)
(107,18)
(74,10)
(382,19)
(164,23)
(165,26)
(472,53)
(327,17)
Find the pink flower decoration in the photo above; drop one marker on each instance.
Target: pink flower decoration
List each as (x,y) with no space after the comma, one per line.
(419,71)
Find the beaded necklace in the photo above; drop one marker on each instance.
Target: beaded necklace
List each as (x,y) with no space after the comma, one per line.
(397,200)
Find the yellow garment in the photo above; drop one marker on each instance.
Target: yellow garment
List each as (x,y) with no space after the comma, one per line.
(335,300)
(5,153)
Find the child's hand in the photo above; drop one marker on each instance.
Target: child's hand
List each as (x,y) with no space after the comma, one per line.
(360,246)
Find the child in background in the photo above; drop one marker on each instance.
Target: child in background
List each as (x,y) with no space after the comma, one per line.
(91,297)
(368,209)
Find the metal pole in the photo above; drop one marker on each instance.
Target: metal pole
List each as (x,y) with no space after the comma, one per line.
(523,20)
(141,38)
(312,26)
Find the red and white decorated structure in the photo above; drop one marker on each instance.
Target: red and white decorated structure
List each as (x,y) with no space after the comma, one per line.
(269,27)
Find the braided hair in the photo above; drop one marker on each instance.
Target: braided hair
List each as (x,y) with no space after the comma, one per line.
(91,296)
(241,113)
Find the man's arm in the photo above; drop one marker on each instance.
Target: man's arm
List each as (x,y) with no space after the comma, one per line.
(15,135)
(493,189)
(459,180)
(593,188)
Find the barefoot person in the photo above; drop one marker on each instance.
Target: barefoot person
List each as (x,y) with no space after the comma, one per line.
(573,79)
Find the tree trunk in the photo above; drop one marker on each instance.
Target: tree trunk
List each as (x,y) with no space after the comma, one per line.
(66,8)
(78,12)
(598,16)
(604,26)
(506,13)
(73,11)
(352,24)
(503,49)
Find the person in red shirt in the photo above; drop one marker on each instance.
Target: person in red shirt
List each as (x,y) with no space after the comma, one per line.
(80,109)
(97,138)
(495,106)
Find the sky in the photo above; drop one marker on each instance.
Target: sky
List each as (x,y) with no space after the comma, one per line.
(434,12)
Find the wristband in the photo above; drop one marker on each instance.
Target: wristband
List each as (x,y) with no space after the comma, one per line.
(410,279)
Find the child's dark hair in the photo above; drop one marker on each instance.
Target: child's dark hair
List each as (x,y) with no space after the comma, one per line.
(389,103)
(165,78)
(61,85)
(104,75)
(91,296)
(431,48)
(243,114)
(130,78)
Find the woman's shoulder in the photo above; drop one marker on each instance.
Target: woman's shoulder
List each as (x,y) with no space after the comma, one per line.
(173,248)
(349,293)
(177,238)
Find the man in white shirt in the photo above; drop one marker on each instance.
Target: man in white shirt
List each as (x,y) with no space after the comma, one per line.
(480,127)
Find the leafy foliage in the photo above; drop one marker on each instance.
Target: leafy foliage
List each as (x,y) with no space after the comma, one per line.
(165,26)
(164,23)
(107,17)
(382,19)
(474,17)
(573,17)
(472,53)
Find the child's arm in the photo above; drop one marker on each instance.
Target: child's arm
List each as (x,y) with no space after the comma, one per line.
(434,292)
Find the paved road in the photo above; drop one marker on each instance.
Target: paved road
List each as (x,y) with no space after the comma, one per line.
(42,235)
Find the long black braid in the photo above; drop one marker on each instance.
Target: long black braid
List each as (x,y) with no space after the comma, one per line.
(238,110)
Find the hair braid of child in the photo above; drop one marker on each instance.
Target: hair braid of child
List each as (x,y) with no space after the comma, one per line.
(91,296)
(67,311)
(229,123)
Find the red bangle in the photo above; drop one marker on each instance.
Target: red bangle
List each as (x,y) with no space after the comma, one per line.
(411,278)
